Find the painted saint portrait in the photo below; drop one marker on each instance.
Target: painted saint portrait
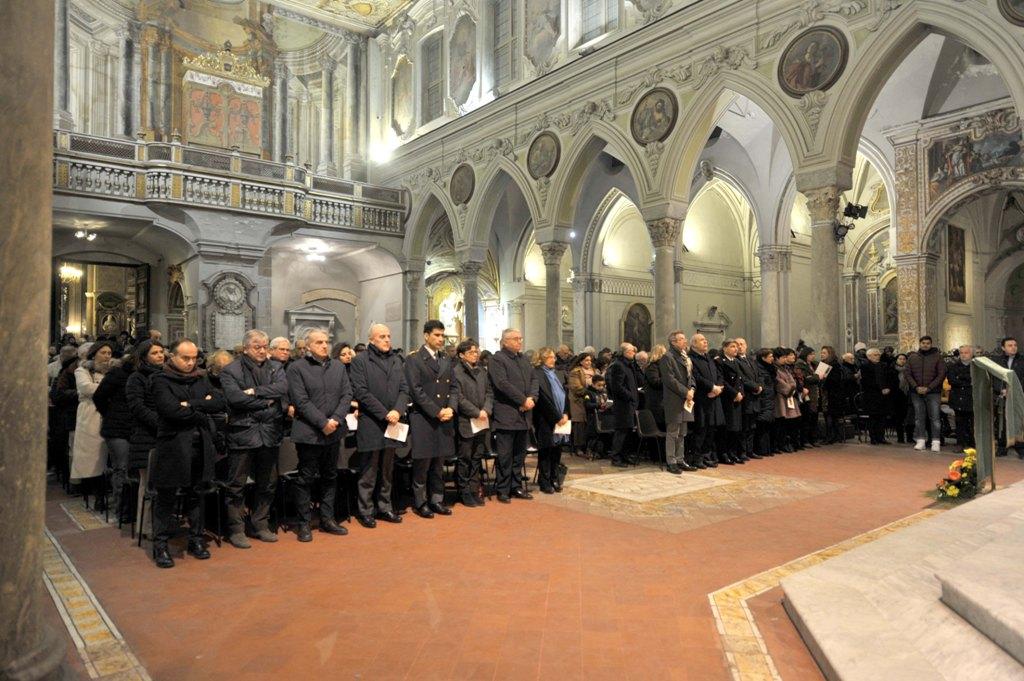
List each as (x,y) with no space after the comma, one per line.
(462,59)
(543,28)
(402,111)
(813,61)
(1013,10)
(636,327)
(462,184)
(206,117)
(951,159)
(654,116)
(957,257)
(542,158)
(891,308)
(244,123)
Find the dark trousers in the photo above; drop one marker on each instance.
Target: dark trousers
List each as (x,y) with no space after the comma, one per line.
(619,440)
(763,438)
(164,523)
(548,459)
(467,470)
(316,461)
(704,443)
(965,428)
(510,448)
(261,464)
(876,428)
(747,434)
(376,469)
(428,480)
(808,424)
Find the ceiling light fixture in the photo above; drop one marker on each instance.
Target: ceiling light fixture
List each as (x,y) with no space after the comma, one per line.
(85,234)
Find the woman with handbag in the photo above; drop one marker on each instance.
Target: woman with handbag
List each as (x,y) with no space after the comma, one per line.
(551,411)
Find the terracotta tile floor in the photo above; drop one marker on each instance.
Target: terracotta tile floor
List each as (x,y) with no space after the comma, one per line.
(581,586)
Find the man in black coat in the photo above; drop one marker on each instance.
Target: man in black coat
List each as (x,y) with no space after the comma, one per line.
(752,389)
(515,393)
(961,397)
(476,402)
(435,397)
(1008,358)
(623,390)
(708,416)
(378,384)
(184,400)
(318,387)
(256,392)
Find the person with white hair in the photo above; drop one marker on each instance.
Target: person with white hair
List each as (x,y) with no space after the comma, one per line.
(280,350)
(878,382)
(515,387)
(624,380)
(961,399)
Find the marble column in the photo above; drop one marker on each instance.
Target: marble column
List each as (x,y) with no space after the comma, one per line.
(678,281)
(852,282)
(354,163)
(29,648)
(416,304)
(552,252)
(775,266)
(823,204)
(584,314)
(664,236)
(62,118)
(131,78)
(281,112)
(166,60)
(154,69)
(326,164)
(470,272)
(517,316)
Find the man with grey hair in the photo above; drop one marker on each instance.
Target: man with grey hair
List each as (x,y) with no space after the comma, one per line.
(623,379)
(256,393)
(961,399)
(516,387)
(280,351)
(677,388)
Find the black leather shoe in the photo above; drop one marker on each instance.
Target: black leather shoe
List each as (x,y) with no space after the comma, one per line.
(331,527)
(547,490)
(711,463)
(619,463)
(755,456)
(673,469)
(470,502)
(558,487)
(727,460)
(197,549)
(440,509)
(423,511)
(502,499)
(699,465)
(366,521)
(389,517)
(303,533)
(162,557)
(521,494)
(683,466)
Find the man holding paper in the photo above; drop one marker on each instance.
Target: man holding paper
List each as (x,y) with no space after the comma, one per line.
(318,387)
(378,384)
(551,424)
(435,399)
(677,398)
(476,402)
(515,395)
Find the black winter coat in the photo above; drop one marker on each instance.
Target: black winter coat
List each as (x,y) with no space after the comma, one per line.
(707,412)
(732,385)
(1002,360)
(64,396)
(378,384)
(653,390)
(145,420)
(475,393)
(623,381)
(512,381)
(766,400)
(676,383)
(112,403)
(319,391)
(547,413)
(751,383)
(185,450)
(961,397)
(874,378)
(833,390)
(432,387)
(256,420)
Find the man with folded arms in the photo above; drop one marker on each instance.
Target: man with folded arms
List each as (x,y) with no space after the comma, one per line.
(515,389)
(318,387)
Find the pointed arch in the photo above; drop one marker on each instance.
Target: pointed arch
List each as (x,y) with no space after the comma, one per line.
(592,236)
(431,201)
(500,171)
(978,26)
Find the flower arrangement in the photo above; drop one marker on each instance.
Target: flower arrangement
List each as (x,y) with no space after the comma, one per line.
(961,482)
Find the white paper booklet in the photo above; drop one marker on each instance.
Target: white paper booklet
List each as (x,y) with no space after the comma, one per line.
(353,421)
(476,425)
(397,431)
(564,429)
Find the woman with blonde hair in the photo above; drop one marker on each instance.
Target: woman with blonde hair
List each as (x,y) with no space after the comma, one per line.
(654,385)
(552,410)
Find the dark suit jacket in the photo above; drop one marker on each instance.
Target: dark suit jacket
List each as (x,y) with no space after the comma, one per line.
(707,411)
(432,387)
(256,420)
(676,382)
(378,384)
(319,391)
(513,380)
(623,389)
(751,382)
(183,431)
(475,393)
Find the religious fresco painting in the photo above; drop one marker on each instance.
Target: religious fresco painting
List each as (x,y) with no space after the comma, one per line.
(636,327)
(543,28)
(956,252)
(654,116)
(244,123)
(891,308)
(206,118)
(402,107)
(542,158)
(462,59)
(813,61)
(462,184)
(951,159)
(219,115)
(1013,10)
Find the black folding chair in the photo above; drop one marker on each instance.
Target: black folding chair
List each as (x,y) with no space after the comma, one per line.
(646,430)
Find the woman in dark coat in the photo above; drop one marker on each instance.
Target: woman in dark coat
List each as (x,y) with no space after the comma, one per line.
(763,441)
(64,396)
(654,386)
(732,403)
(876,386)
(552,409)
(111,402)
(809,408)
(833,395)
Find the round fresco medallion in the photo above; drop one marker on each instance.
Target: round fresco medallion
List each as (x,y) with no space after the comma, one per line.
(463,181)
(1013,10)
(813,61)
(542,158)
(654,116)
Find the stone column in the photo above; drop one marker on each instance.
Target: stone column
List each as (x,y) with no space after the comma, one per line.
(326,164)
(470,272)
(664,235)
(553,252)
(823,203)
(281,112)
(851,317)
(62,118)
(517,316)
(166,61)
(354,163)
(131,78)
(917,282)
(154,68)
(29,649)
(775,266)
(416,305)
(678,280)
(584,315)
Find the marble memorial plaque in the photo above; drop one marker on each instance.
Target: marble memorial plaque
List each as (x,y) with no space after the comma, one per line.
(230,329)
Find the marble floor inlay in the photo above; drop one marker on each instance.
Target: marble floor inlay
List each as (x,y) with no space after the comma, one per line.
(645,485)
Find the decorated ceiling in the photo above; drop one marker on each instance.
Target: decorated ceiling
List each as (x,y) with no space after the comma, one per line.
(356,15)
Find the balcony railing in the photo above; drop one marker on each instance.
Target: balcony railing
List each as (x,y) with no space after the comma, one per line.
(175,173)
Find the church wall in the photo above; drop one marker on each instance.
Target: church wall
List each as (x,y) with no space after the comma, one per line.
(293,276)
(381,302)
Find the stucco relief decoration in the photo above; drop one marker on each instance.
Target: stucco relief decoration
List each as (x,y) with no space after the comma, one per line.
(979,145)
(462,59)
(815,12)
(229,312)
(462,184)
(543,29)
(814,60)
(721,58)
(906,198)
(811,106)
(229,294)
(1013,10)
(664,232)
(678,74)
(574,122)
(543,156)
(654,116)
(402,106)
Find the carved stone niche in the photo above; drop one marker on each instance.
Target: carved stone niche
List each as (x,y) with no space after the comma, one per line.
(311,316)
(228,312)
(713,323)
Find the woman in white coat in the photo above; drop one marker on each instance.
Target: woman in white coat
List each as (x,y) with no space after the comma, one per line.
(88,455)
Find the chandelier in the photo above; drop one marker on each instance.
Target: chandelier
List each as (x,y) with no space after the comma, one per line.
(69,273)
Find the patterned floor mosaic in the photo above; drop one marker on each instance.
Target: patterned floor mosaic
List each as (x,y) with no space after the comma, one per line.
(650,497)
(745,651)
(85,518)
(99,643)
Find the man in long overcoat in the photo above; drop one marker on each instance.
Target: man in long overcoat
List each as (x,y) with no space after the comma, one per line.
(623,382)
(708,416)
(515,393)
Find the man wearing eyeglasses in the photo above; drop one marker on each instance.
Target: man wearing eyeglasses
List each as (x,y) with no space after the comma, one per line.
(515,393)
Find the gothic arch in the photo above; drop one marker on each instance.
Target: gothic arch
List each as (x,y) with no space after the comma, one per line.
(493,180)
(432,201)
(966,191)
(978,26)
(592,237)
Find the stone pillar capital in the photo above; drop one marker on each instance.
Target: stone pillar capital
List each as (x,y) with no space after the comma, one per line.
(822,204)
(470,269)
(775,258)
(664,231)
(328,64)
(552,251)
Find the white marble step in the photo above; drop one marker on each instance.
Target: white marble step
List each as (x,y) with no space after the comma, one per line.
(875,614)
(986,591)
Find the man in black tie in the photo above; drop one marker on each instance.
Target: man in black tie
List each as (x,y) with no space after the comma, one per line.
(435,399)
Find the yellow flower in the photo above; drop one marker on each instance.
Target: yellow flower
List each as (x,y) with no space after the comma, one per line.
(970,452)
(952,491)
